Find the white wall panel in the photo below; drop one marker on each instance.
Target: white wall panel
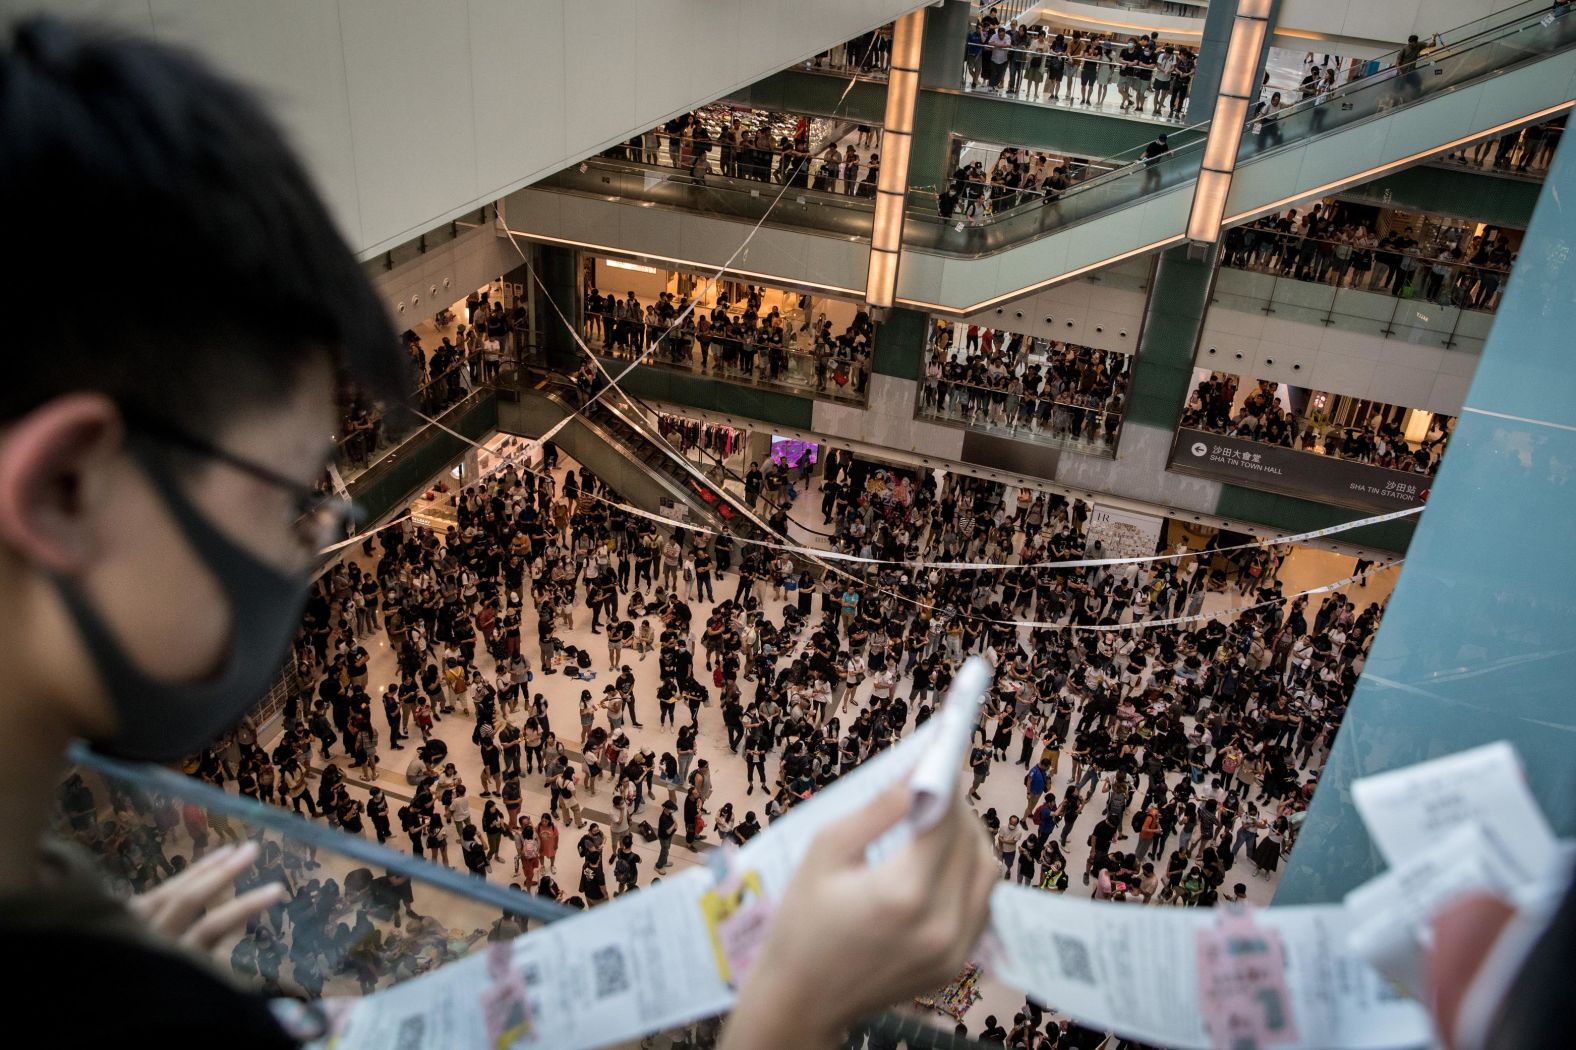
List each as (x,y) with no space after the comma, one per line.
(1415,372)
(1139,473)
(518,61)
(1390,21)
(293,50)
(412,112)
(1105,314)
(414,133)
(888,421)
(417,289)
(690,241)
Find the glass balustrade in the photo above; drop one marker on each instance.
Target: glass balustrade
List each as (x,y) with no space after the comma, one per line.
(1090,425)
(824,372)
(1497,42)
(972,224)
(1470,278)
(357,918)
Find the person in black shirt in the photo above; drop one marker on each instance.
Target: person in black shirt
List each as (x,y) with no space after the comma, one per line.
(753,480)
(474,852)
(702,564)
(378,813)
(666,826)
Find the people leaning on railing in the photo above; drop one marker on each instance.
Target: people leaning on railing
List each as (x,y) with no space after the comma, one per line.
(1379,442)
(736,339)
(1008,380)
(1323,244)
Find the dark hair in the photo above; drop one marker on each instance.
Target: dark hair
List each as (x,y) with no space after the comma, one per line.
(224,270)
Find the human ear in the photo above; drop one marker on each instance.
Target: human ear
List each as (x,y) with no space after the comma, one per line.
(55,468)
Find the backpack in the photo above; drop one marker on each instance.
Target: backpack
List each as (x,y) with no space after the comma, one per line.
(621,870)
(1053,879)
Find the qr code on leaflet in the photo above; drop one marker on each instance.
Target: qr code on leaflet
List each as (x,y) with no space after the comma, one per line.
(612,976)
(1073,955)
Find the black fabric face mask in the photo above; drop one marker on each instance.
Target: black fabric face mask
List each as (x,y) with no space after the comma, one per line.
(164,721)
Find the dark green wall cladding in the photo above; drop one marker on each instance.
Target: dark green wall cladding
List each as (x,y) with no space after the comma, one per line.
(1072,130)
(797,91)
(900,344)
(713,395)
(1299,515)
(934,113)
(560,276)
(1461,192)
(390,484)
(991,119)
(1178,298)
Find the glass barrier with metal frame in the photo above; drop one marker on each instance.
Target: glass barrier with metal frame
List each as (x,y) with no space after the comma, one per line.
(1088,425)
(1472,51)
(1450,279)
(825,372)
(358,918)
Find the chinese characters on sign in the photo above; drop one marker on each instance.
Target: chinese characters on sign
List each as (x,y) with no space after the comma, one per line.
(1297,473)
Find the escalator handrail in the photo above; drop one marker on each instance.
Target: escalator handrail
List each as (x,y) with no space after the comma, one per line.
(1489,35)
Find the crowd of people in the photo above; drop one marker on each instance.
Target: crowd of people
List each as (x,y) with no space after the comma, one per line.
(1143,764)
(1025,385)
(439,378)
(353,931)
(1017,177)
(1263,417)
(742,340)
(1036,64)
(1328,244)
(735,151)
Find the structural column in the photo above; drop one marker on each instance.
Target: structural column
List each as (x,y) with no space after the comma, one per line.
(897,131)
(946,34)
(1478,643)
(1238,83)
(560,280)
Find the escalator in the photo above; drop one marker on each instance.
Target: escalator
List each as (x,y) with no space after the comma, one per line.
(1518,67)
(610,441)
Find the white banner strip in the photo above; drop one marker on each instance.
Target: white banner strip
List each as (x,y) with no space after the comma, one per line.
(358,537)
(951,566)
(818,555)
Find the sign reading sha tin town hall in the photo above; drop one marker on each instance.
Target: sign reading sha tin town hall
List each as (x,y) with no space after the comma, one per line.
(1305,474)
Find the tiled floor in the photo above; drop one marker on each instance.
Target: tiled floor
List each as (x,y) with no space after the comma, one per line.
(1003,790)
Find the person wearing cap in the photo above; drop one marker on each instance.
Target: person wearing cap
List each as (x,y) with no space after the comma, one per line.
(667,824)
(1153,154)
(1165,65)
(626,688)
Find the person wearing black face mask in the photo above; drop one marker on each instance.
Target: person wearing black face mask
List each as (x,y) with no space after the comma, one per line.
(159,501)
(158,518)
